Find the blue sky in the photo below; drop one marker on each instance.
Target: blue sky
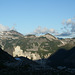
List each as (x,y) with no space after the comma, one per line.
(38,16)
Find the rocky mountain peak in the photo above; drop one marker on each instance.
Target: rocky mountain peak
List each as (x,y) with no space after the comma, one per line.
(49,36)
(12,34)
(30,36)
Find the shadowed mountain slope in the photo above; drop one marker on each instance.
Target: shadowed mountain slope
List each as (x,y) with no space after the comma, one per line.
(32,46)
(4,56)
(62,58)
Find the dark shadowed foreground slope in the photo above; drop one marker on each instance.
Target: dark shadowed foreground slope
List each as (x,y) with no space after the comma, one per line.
(24,66)
(4,56)
(62,58)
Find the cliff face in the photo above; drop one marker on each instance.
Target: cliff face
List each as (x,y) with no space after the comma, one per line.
(34,56)
(31,46)
(19,52)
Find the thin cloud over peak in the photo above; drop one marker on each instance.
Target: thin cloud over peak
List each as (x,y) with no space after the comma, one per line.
(64,34)
(5,28)
(41,30)
(68,27)
(70,24)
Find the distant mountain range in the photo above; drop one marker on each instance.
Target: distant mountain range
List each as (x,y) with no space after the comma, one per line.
(52,56)
(32,46)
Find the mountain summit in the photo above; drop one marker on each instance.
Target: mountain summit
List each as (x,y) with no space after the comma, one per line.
(31,46)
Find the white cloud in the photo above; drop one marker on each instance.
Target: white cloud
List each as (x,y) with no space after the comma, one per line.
(4,28)
(69,21)
(69,25)
(73,28)
(52,30)
(40,30)
(64,34)
(63,22)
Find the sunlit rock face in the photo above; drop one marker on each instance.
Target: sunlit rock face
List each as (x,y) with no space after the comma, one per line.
(32,46)
(19,52)
(50,37)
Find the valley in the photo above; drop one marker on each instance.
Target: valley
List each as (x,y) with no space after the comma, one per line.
(32,46)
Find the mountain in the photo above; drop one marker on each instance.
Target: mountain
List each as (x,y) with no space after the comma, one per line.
(13,66)
(32,46)
(4,56)
(46,50)
(62,58)
(10,34)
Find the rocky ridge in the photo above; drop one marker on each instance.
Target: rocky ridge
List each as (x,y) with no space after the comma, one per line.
(31,46)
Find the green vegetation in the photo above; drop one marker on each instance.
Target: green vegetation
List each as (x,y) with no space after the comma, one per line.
(43,44)
(51,46)
(36,43)
(7,44)
(68,46)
